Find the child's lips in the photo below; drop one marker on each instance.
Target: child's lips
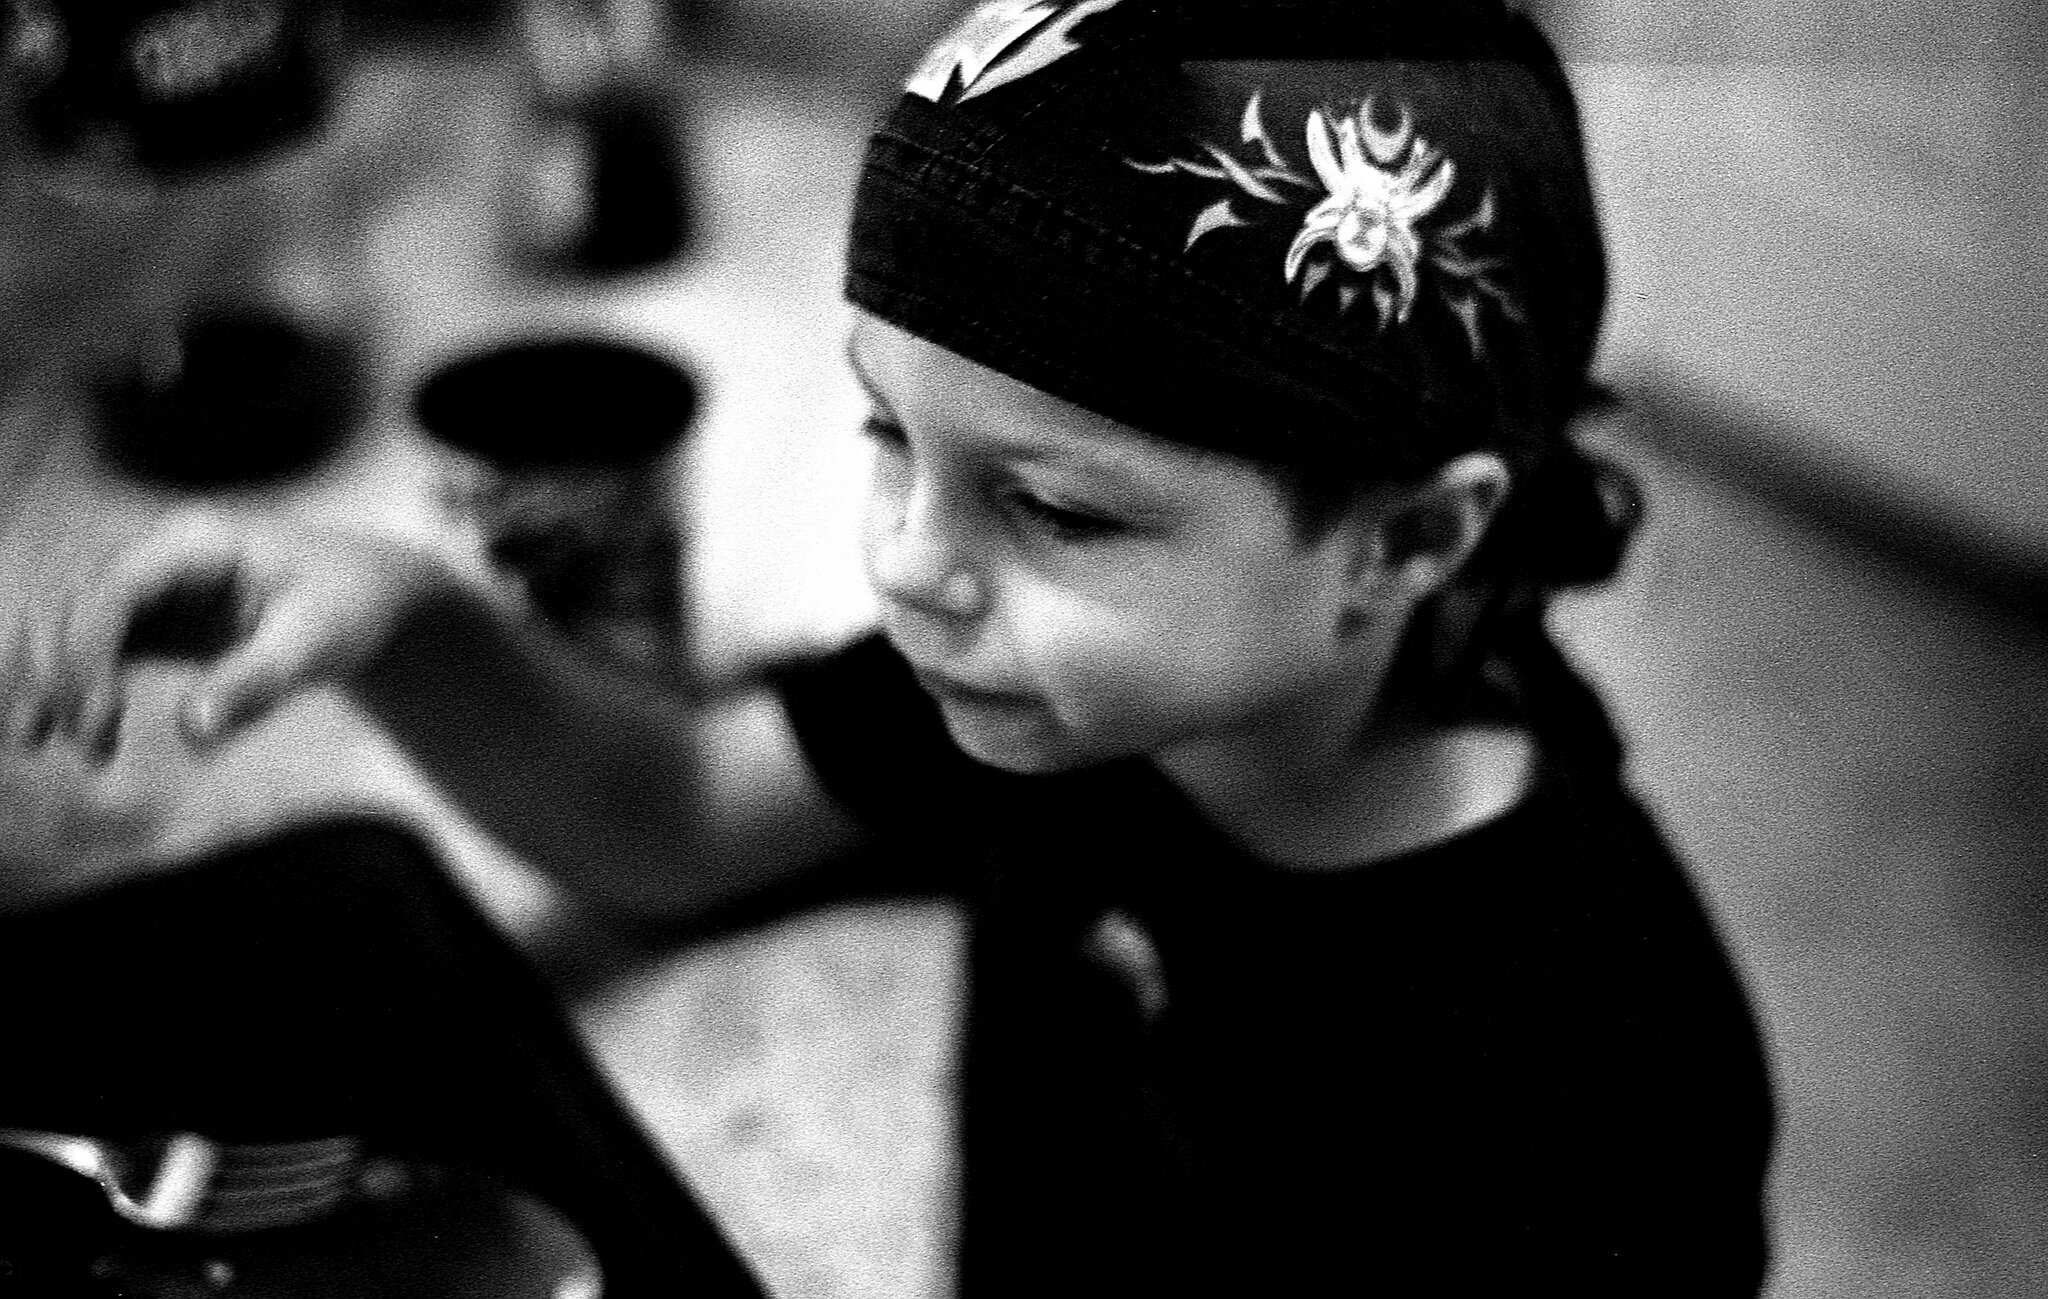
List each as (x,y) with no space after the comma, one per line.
(948,689)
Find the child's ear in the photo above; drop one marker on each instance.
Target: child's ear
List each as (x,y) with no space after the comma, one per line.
(1428,528)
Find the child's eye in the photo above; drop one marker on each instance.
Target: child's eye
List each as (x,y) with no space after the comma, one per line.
(1063,522)
(885,431)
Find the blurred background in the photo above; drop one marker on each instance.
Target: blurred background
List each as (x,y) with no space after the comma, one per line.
(1830,650)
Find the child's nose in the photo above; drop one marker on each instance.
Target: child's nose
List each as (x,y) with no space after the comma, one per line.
(913,563)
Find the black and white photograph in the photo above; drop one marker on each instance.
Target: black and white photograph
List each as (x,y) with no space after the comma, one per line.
(795,649)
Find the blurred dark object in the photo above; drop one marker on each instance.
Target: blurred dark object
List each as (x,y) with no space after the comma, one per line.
(252,400)
(174,87)
(181,87)
(405,1230)
(328,981)
(637,216)
(581,433)
(197,623)
(606,190)
(53,1224)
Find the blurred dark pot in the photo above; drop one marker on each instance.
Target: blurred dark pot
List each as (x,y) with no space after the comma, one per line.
(197,85)
(581,433)
(559,402)
(255,400)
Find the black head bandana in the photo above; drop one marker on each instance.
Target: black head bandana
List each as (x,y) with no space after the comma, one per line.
(1287,229)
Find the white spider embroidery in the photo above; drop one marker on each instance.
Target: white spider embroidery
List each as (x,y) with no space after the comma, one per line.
(1377,188)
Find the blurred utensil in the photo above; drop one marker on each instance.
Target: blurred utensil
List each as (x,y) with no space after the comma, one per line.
(298,1220)
(185,1182)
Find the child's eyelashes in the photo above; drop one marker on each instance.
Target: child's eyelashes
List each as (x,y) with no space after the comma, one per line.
(1027,508)
(886,431)
(1062,522)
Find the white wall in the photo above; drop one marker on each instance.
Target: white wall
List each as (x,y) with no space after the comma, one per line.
(1832,211)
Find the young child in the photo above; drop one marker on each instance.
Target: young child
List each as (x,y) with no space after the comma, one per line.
(1222,358)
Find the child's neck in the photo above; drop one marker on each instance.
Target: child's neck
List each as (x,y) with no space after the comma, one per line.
(1400,787)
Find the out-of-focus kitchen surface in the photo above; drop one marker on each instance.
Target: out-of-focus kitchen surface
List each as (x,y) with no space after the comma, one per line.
(1830,651)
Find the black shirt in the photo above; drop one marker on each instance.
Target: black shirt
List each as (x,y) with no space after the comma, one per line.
(1516,1062)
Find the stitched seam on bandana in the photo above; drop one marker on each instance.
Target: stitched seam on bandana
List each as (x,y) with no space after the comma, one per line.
(939,162)
(1232,343)
(888,299)
(985,328)
(1101,52)
(990,328)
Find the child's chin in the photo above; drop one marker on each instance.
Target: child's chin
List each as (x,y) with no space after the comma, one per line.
(1024,749)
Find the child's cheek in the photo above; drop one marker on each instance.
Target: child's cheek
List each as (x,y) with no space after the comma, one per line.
(1108,677)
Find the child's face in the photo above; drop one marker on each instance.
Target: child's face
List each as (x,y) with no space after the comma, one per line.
(1071,590)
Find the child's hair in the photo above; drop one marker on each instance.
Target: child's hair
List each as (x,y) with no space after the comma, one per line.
(1346,240)
(1567,522)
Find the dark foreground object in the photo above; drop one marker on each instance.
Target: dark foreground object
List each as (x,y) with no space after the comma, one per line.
(332,982)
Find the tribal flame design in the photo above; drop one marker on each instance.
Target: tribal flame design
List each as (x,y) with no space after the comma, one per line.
(1000,42)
